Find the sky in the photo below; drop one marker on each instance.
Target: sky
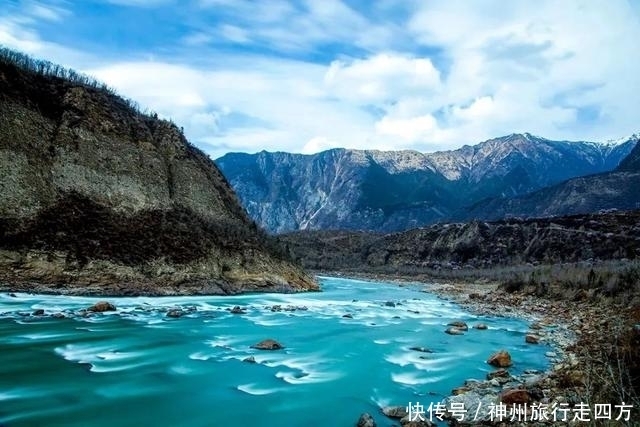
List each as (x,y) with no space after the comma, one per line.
(305,76)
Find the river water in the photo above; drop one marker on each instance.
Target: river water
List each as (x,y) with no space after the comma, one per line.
(138,367)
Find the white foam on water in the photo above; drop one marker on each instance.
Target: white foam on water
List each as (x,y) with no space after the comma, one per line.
(181,370)
(199,356)
(408,378)
(116,368)
(254,390)
(263,321)
(222,342)
(38,336)
(20,393)
(382,342)
(381,402)
(306,377)
(82,353)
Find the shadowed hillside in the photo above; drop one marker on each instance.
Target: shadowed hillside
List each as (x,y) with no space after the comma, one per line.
(96,197)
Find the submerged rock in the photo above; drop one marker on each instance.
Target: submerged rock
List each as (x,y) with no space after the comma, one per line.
(175,313)
(480,326)
(452,330)
(249,359)
(390,304)
(421,349)
(347,316)
(501,359)
(101,307)
(268,344)
(238,310)
(38,312)
(366,420)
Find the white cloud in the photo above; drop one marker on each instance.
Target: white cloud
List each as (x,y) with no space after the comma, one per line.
(381,78)
(458,72)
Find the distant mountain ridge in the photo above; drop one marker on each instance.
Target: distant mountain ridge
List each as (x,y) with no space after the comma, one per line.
(397,190)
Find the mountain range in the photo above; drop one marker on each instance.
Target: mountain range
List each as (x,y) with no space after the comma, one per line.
(515,175)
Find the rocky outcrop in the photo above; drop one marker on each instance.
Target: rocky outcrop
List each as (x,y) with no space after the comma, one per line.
(97,198)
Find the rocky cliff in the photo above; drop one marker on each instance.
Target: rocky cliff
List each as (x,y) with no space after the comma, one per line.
(398,190)
(97,198)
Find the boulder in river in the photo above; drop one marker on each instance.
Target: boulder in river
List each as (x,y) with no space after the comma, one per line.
(238,310)
(101,307)
(268,344)
(175,313)
(452,330)
(249,359)
(366,420)
(347,316)
(501,359)
(38,312)
(395,411)
(531,339)
(480,326)
(460,325)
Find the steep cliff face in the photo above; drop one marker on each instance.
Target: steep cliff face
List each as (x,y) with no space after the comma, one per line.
(397,190)
(98,198)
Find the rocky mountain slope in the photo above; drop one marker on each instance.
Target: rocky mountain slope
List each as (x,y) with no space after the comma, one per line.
(397,190)
(476,244)
(97,198)
(615,190)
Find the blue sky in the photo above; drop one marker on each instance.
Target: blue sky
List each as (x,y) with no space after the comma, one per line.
(304,76)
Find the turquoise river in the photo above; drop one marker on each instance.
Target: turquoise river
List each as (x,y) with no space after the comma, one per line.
(138,367)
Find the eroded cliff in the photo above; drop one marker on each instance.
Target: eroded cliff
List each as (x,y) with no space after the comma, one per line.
(98,198)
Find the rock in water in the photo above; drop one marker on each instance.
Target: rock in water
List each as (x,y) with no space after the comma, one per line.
(501,359)
(395,411)
(268,344)
(175,313)
(481,326)
(238,310)
(38,312)
(101,307)
(366,420)
(249,359)
(460,325)
(531,339)
(100,198)
(452,330)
